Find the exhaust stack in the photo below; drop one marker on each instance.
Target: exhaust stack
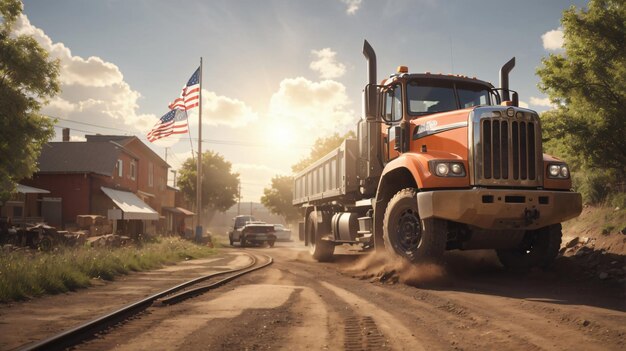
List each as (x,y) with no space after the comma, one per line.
(504,78)
(369,97)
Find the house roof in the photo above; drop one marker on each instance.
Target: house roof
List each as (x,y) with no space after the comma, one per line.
(79,157)
(125,140)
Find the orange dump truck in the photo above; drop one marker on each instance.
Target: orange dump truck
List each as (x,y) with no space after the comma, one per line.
(441,162)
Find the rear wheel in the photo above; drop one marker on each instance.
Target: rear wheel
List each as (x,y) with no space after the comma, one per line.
(321,250)
(407,235)
(539,248)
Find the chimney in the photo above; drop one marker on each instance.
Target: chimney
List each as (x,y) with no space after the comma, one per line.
(66,134)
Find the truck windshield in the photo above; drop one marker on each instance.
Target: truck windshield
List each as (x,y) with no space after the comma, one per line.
(426,97)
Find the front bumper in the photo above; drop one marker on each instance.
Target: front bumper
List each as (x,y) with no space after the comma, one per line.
(500,209)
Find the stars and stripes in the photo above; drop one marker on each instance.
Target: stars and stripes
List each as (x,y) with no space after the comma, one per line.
(190,96)
(173,122)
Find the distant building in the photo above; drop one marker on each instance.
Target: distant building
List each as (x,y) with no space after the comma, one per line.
(109,172)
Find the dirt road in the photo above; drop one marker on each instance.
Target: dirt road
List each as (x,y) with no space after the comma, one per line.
(366,303)
(361,302)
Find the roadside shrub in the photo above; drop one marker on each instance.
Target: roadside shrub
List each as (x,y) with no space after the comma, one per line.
(24,274)
(594,185)
(617,200)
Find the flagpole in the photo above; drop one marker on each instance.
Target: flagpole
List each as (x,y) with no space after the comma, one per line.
(199,167)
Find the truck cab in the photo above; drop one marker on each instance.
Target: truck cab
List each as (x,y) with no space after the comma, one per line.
(443,162)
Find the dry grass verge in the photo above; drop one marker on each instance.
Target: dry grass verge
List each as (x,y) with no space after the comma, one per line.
(25,274)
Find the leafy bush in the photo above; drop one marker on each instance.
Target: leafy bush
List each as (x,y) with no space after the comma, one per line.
(594,185)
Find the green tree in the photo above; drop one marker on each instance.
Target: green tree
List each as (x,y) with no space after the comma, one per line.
(320,148)
(28,78)
(278,198)
(587,83)
(219,184)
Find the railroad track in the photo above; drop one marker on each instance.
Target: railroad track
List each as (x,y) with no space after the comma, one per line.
(176,294)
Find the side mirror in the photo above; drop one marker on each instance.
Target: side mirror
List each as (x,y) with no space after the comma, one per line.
(370,102)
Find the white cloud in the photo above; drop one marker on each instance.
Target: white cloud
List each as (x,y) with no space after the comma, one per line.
(77,138)
(544,102)
(312,109)
(353,6)
(327,65)
(95,90)
(91,89)
(222,110)
(553,40)
(523,104)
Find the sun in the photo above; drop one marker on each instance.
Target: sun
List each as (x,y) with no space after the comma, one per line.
(280,134)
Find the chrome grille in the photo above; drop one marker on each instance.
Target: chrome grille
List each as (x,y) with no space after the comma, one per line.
(507,151)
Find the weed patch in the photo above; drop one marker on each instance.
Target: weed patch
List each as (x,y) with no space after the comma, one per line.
(28,274)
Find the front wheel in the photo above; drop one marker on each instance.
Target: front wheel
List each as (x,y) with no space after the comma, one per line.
(407,235)
(321,250)
(538,249)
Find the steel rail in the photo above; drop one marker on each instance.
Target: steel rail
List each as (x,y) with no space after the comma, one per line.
(87,330)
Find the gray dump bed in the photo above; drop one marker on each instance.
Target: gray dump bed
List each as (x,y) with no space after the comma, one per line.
(332,177)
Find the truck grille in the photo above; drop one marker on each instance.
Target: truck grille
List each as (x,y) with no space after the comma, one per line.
(507,150)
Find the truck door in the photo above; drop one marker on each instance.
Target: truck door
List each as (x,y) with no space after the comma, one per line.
(393,112)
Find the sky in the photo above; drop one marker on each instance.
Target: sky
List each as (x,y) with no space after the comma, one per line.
(277,74)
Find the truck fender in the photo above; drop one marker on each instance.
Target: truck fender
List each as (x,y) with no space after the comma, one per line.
(406,171)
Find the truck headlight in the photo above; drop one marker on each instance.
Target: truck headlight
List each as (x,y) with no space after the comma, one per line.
(558,171)
(447,168)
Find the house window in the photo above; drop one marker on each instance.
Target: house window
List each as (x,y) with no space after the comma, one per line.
(120,168)
(133,170)
(150,174)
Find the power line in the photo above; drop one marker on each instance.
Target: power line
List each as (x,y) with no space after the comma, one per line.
(209,141)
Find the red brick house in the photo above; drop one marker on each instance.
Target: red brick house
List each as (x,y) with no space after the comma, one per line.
(103,173)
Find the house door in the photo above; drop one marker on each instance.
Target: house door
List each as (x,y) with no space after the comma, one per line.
(51,211)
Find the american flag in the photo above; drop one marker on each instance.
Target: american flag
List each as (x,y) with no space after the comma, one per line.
(173,122)
(190,95)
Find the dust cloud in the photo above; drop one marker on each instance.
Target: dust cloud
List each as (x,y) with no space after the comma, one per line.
(384,268)
(387,269)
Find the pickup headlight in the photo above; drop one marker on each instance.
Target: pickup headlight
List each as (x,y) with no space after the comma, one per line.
(447,168)
(558,171)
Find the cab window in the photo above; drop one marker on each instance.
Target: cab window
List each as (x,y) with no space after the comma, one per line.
(430,97)
(470,96)
(393,103)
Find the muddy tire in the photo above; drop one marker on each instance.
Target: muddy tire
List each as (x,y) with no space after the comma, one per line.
(320,250)
(538,249)
(407,235)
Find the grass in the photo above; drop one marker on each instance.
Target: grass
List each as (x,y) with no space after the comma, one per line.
(28,274)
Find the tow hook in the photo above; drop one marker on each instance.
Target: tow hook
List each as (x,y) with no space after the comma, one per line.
(531,215)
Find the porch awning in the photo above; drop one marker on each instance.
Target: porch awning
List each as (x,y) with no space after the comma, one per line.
(179,210)
(131,206)
(25,189)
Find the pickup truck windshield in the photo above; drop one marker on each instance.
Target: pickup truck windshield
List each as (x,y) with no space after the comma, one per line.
(426,97)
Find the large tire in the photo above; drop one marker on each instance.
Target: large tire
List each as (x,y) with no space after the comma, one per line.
(538,249)
(407,235)
(321,250)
